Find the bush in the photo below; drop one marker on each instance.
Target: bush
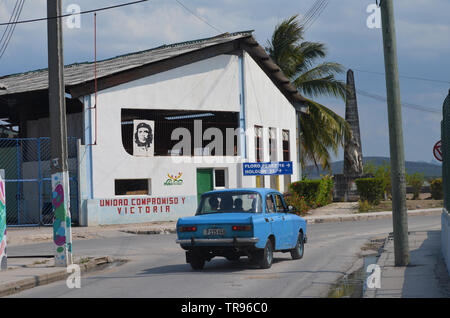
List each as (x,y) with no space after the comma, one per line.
(297,202)
(383,172)
(370,189)
(325,192)
(307,189)
(314,192)
(436,189)
(416,182)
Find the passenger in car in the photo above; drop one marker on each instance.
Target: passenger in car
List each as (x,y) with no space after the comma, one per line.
(238,205)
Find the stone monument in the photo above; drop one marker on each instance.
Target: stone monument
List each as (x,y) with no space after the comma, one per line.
(345,187)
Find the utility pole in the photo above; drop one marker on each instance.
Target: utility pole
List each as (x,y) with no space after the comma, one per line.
(62,230)
(399,212)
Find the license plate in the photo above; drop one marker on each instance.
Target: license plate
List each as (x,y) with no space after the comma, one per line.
(214,232)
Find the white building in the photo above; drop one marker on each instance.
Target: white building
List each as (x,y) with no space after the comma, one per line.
(208,88)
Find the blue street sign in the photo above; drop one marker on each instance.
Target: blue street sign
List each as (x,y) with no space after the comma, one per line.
(267,168)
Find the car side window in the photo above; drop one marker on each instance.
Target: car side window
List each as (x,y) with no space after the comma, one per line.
(270,205)
(281,206)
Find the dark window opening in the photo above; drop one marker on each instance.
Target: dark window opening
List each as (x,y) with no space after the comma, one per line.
(272,144)
(219,177)
(132,187)
(259,144)
(166,121)
(286,148)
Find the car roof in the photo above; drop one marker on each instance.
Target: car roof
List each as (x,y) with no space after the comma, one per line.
(262,191)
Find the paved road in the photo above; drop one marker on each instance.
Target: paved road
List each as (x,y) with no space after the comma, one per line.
(157,267)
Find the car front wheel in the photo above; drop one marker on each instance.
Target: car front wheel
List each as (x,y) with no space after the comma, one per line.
(299,249)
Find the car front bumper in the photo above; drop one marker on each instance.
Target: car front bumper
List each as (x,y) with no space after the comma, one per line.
(219,241)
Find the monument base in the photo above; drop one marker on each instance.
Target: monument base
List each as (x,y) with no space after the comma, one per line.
(345,189)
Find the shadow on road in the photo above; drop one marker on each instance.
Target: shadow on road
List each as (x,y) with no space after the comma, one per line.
(217,265)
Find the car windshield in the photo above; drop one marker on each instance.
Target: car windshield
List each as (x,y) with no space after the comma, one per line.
(225,202)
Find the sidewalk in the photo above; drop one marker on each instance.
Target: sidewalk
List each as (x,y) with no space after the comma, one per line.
(26,273)
(425,277)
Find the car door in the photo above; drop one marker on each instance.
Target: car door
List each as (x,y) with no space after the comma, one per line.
(286,225)
(276,222)
(274,219)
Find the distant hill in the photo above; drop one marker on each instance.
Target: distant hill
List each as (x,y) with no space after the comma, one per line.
(430,170)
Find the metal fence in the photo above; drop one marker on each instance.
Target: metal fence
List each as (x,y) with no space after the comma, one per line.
(445,134)
(28,180)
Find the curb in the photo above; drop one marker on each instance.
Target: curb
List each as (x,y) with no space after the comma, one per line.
(382,259)
(45,279)
(367,216)
(151,232)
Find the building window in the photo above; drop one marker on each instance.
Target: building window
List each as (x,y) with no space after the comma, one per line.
(259,144)
(286,148)
(132,187)
(273,144)
(164,122)
(220,177)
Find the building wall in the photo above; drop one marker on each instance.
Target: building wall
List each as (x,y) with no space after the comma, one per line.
(208,85)
(266,106)
(41,127)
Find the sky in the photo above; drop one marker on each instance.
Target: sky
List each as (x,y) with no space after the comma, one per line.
(423,36)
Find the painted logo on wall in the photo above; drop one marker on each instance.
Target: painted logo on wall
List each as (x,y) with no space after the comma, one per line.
(174,180)
(3,257)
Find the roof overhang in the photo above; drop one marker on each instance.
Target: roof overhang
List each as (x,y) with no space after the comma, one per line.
(116,71)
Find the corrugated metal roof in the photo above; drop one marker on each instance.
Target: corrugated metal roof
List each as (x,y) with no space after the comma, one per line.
(80,73)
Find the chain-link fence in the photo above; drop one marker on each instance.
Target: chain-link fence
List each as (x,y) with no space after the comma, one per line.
(28,180)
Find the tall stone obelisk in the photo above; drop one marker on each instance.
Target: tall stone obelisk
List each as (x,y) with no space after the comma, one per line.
(353,160)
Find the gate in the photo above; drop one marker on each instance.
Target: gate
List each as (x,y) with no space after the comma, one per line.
(28,180)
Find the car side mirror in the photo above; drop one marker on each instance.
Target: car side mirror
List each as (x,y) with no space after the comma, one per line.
(291,209)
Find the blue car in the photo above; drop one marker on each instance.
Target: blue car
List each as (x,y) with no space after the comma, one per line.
(241,222)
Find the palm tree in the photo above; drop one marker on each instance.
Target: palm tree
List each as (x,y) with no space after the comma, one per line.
(322,130)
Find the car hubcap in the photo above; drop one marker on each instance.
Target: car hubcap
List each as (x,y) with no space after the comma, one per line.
(269,254)
(300,246)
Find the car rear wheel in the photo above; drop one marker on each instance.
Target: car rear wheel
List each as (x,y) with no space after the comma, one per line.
(266,257)
(197,262)
(299,250)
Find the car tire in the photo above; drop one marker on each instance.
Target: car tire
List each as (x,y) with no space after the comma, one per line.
(299,249)
(266,256)
(197,262)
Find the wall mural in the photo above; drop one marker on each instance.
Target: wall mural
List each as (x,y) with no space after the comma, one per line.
(143,138)
(3,256)
(62,227)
